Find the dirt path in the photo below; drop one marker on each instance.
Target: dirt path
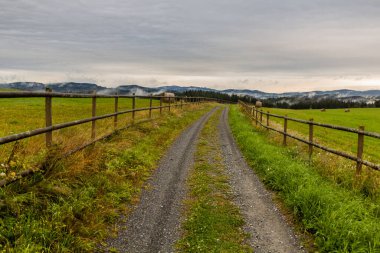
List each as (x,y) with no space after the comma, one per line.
(154,225)
(267,227)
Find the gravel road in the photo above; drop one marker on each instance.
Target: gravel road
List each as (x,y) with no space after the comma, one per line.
(154,225)
(267,227)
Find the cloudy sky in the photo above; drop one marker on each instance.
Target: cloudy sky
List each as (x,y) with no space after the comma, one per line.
(271,45)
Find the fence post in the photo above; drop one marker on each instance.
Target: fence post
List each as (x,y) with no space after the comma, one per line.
(285,129)
(359,164)
(311,135)
(261,115)
(252,112)
(48,118)
(93,129)
(150,106)
(161,105)
(268,120)
(133,107)
(116,110)
(256,116)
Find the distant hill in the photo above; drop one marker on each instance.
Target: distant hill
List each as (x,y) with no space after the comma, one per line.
(76,87)
(343,94)
(26,86)
(333,94)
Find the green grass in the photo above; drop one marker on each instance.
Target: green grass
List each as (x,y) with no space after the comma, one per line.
(340,219)
(336,169)
(23,114)
(368,117)
(72,207)
(213,223)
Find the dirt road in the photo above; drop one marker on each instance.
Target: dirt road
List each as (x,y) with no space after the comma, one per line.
(154,225)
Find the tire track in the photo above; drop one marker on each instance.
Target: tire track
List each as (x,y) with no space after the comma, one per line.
(266,225)
(154,225)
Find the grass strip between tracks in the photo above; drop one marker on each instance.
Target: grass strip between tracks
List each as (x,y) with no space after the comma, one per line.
(72,206)
(213,223)
(341,220)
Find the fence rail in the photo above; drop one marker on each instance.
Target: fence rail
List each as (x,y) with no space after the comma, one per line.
(170,102)
(49,128)
(257,116)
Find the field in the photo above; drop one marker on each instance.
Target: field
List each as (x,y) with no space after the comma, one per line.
(368,117)
(332,167)
(23,114)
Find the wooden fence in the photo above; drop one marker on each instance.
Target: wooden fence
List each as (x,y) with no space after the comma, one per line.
(257,116)
(49,127)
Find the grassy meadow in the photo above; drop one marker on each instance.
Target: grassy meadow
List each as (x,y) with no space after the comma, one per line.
(335,168)
(24,114)
(341,219)
(368,117)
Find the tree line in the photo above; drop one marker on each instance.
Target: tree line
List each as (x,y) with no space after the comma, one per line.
(304,103)
(217,95)
(310,103)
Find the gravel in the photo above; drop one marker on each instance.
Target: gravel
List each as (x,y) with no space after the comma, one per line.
(154,224)
(266,225)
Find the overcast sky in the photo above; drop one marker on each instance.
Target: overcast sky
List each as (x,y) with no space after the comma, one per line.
(271,45)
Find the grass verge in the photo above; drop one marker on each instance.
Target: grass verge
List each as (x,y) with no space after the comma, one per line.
(340,220)
(335,168)
(213,222)
(72,206)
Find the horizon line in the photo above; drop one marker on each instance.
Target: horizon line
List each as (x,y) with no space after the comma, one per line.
(193,86)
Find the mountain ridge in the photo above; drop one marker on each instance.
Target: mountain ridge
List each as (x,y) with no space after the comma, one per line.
(75,87)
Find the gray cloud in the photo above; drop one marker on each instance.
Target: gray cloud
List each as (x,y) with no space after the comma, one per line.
(214,42)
